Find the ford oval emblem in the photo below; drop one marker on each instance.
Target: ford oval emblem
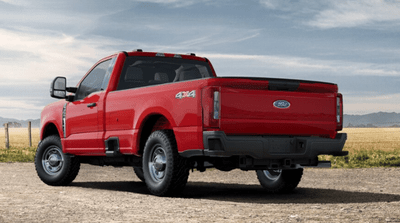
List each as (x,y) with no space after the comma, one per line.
(281,104)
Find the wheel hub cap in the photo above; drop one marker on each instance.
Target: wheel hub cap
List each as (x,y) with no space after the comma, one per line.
(272,174)
(157,164)
(52,160)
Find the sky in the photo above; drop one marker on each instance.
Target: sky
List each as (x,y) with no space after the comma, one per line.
(353,43)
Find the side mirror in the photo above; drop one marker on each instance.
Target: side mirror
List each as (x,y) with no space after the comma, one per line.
(58,88)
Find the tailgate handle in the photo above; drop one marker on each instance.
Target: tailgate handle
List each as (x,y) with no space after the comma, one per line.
(91,105)
(283,85)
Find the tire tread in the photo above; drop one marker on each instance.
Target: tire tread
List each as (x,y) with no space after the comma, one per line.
(72,164)
(288,181)
(178,177)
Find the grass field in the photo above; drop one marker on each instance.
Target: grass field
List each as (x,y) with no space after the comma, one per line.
(19,145)
(368,147)
(19,137)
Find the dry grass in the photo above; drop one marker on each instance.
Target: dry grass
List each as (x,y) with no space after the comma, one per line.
(19,150)
(19,137)
(385,139)
(369,147)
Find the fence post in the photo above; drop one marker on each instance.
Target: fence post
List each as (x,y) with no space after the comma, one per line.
(7,137)
(30,133)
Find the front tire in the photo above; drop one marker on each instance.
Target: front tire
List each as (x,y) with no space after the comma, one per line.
(279,181)
(53,166)
(165,172)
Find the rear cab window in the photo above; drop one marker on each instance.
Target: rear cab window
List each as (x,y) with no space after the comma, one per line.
(147,71)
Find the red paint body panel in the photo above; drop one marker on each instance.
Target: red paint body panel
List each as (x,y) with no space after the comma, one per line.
(246,108)
(83,132)
(251,112)
(52,115)
(128,109)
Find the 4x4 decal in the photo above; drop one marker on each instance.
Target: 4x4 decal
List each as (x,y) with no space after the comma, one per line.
(186,94)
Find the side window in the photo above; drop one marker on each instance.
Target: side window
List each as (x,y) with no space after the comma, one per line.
(108,74)
(94,81)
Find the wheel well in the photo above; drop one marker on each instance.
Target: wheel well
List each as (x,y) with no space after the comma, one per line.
(152,123)
(50,129)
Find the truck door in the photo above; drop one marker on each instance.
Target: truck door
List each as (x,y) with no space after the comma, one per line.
(83,130)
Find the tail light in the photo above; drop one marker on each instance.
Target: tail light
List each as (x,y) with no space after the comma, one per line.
(211,103)
(339,112)
(216,109)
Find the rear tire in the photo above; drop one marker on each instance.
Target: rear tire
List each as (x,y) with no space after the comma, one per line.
(165,172)
(52,165)
(279,181)
(139,173)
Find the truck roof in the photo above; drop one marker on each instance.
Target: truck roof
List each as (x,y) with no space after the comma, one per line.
(190,56)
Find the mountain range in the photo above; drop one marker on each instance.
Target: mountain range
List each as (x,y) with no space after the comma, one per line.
(380,119)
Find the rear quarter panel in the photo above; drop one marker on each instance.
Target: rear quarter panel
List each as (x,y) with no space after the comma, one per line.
(127,110)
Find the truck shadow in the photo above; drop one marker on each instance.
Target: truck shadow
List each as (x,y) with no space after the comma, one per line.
(251,193)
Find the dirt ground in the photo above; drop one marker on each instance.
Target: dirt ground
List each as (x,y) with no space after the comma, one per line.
(107,194)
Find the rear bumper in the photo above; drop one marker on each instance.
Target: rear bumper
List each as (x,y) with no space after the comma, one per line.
(218,144)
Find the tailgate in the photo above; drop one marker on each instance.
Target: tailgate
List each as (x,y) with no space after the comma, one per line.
(278,107)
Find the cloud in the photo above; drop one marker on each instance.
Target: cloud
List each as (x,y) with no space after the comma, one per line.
(368,104)
(338,14)
(271,4)
(30,59)
(174,3)
(218,35)
(354,13)
(15,2)
(46,54)
(293,65)
(295,7)
(187,38)
(12,107)
(20,103)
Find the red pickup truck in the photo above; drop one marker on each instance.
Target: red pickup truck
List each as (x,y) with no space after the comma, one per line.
(164,114)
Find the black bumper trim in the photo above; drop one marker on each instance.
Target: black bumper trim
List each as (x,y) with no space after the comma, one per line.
(218,144)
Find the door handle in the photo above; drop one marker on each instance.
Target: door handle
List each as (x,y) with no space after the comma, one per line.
(91,105)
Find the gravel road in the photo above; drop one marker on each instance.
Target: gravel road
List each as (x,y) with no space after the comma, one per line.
(107,194)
